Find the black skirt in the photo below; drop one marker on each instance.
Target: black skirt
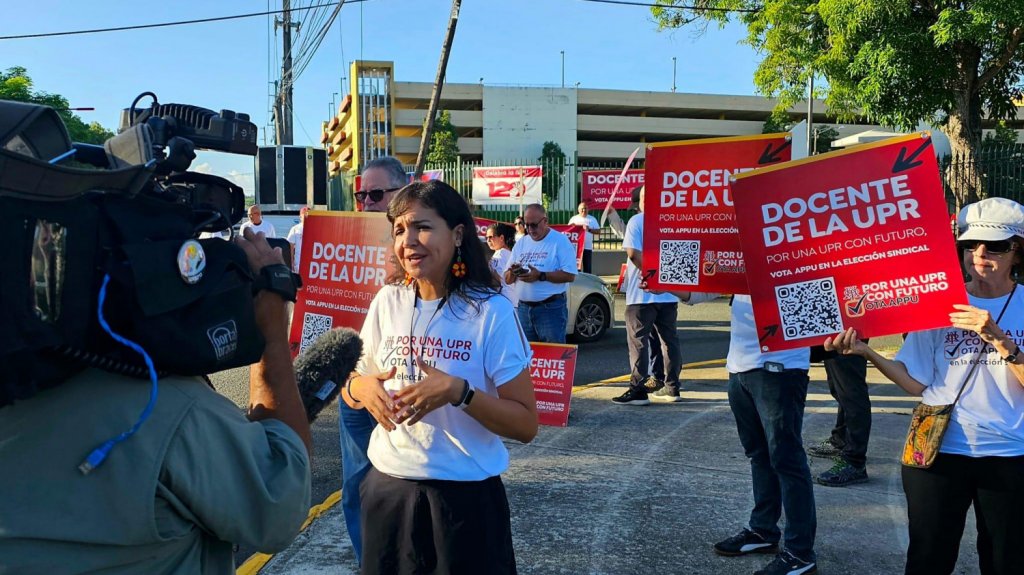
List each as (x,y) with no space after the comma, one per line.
(414,527)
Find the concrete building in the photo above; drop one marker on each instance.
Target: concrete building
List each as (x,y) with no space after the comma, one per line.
(498,124)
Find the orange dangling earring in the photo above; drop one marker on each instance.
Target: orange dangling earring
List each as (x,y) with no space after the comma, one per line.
(458,268)
(408,279)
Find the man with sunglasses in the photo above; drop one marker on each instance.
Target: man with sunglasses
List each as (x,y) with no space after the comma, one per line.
(381,178)
(544,262)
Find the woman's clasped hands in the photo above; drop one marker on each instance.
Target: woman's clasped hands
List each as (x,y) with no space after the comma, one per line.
(409,404)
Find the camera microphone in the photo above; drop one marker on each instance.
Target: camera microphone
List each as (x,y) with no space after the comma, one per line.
(321,370)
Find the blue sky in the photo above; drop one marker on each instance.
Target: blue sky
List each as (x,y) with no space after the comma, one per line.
(228,64)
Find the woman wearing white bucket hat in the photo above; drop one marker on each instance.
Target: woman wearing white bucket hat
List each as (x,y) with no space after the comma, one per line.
(980,458)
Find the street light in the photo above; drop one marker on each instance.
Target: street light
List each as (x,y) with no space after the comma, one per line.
(673,73)
(563,68)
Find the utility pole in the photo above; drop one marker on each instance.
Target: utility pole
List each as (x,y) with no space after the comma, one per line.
(810,116)
(435,97)
(283,101)
(673,74)
(563,68)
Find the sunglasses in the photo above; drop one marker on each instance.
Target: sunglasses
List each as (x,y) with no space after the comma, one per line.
(995,248)
(489,237)
(375,195)
(531,225)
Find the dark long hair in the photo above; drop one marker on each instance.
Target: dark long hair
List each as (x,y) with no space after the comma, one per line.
(479,283)
(507,233)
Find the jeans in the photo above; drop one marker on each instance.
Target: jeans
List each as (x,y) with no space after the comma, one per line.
(657,356)
(356,426)
(937,502)
(846,383)
(544,323)
(642,320)
(769,412)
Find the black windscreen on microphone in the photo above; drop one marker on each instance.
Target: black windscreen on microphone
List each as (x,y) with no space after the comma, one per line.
(323,367)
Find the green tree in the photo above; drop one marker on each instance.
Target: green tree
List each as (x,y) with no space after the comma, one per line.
(552,159)
(15,84)
(444,141)
(898,62)
(1002,136)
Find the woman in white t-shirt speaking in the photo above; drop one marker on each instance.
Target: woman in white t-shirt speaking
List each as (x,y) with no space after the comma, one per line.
(445,373)
(981,458)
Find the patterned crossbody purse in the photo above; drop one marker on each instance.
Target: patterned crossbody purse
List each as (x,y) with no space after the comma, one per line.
(928,423)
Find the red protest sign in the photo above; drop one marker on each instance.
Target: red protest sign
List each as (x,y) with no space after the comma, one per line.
(597,187)
(481,227)
(552,369)
(346,257)
(857,238)
(577,237)
(690,223)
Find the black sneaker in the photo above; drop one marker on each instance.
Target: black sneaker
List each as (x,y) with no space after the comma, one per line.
(666,395)
(785,564)
(825,449)
(745,542)
(633,396)
(842,474)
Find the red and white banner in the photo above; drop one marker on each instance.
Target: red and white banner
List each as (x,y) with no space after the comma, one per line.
(597,186)
(481,227)
(577,237)
(509,185)
(346,257)
(552,369)
(857,238)
(690,236)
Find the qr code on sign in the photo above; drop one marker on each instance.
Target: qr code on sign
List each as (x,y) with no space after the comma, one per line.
(809,309)
(679,262)
(313,326)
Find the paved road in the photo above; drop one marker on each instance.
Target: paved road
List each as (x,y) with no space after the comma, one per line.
(639,490)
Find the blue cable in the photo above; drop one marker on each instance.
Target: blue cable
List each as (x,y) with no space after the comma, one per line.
(99,454)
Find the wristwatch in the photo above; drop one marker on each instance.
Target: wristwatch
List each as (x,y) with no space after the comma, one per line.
(467,395)
(279,279)
(1012,358)
(543,276)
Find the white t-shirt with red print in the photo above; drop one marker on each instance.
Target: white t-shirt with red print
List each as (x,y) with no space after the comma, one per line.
(484,346)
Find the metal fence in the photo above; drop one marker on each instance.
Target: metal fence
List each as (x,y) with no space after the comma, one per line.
(1001,170)
(459,175)
(998,170)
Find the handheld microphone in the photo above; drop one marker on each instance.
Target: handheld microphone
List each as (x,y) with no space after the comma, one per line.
(323,367)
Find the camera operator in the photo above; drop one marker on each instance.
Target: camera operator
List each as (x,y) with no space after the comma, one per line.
(196,478)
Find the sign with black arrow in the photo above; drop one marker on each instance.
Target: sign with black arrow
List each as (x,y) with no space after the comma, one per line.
(855,238)
(690,235)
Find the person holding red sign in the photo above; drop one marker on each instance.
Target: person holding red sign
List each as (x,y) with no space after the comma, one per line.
(977,366)
(590,227)
(648,316)
(767,394)
(445,373)
(543,262)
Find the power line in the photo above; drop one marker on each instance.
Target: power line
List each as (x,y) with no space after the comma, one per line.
(676,7)
(165,24)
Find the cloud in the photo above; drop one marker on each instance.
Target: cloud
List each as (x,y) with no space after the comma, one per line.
(246,180)
(204,168)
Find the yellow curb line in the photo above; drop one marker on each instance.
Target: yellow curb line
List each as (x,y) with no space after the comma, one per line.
(257,561)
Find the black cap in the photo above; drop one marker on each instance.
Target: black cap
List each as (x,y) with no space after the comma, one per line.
(636,197)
